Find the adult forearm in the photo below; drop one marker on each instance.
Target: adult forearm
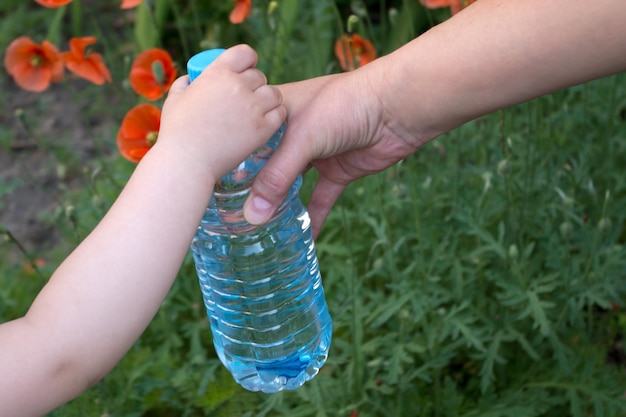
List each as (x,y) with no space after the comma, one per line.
(497,53)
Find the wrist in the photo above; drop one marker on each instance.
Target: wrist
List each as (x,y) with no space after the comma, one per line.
(401,101)
(423,99)
(187,167)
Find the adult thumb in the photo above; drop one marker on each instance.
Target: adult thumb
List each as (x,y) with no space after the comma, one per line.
(274,181)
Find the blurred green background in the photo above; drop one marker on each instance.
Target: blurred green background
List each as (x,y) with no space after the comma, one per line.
(483,276)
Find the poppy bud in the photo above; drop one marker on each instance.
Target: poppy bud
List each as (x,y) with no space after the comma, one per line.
(503,167)
(605,224)
(393,15)
(487,176)
(273,5)
(353,20)
(566,230)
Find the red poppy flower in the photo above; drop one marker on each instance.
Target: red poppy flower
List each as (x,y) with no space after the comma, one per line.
(33,66)
(139,131)
(129,4)
(353,51)
(454,5)
(53,3)
(241,11)
(152,73)
(90,67)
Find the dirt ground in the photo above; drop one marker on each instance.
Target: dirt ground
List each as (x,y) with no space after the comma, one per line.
(27,162)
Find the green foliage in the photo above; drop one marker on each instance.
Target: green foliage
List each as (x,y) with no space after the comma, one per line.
(453,287)
(148,23)
(15,15)
(483,276)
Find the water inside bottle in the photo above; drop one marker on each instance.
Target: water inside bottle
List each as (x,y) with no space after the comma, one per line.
(263,293)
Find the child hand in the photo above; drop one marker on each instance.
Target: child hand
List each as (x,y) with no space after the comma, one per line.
(228,112)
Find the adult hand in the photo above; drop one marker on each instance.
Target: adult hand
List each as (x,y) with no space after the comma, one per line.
(336,124)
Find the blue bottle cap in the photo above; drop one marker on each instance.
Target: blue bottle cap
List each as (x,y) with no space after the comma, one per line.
(200,61)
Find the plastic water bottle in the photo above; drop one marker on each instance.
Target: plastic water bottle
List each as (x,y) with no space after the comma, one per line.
(261,284)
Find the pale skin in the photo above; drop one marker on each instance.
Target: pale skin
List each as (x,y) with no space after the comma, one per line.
(491,55)
(104,295)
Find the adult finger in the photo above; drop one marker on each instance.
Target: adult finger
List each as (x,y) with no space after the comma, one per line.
(325,194)
(275,179)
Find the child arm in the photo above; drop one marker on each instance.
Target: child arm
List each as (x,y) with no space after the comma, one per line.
(105,293)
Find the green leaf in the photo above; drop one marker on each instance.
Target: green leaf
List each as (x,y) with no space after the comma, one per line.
(486,372)
(536,308)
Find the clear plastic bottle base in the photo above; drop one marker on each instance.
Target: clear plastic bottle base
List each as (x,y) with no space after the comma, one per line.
(274,377)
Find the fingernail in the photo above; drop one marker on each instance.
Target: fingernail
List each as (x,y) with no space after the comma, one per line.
(258,210)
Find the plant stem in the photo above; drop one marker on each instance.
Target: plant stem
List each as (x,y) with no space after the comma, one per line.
(77,18)
(181,29)
(14,240)
(357,336)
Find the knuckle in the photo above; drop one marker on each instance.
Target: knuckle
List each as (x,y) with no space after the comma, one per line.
(273,182)
(277,94)
(277,117)
(282,110)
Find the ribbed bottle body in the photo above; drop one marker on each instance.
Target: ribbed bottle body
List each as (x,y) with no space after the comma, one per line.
(262,288)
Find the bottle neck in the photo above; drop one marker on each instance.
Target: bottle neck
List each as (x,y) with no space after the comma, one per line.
(242,177)
(225,212)
(228,205)
(232,190)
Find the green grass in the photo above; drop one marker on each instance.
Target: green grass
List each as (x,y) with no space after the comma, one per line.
(478,277)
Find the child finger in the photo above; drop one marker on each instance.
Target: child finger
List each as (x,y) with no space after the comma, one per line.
(276,116)
(238,58)
(180,84)
(254,78)
(269,95)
